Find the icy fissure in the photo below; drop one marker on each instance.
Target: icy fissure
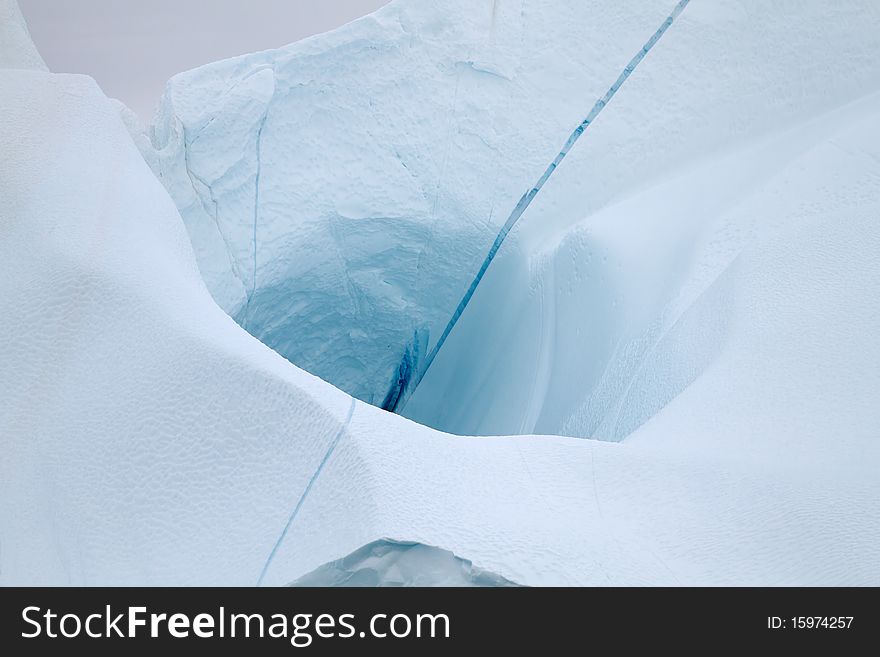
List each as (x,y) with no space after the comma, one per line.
(343,429)
(403,389)
(259,144)
(384,146)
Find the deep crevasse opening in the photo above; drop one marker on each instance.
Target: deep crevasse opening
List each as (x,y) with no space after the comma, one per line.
(342,230)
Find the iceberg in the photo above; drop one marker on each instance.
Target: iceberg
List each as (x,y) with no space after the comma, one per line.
(691,299)
(392,563)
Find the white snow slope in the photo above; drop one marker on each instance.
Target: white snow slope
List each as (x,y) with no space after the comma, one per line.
(148,439)
(16,48)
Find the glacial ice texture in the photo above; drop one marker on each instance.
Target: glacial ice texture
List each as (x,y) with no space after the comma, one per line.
(698,282)
(341,194)
(396,563)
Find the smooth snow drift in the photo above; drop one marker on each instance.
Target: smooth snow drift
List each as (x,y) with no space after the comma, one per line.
(699,282)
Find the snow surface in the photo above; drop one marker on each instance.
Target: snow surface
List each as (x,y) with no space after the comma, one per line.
(716,308)
(16,48)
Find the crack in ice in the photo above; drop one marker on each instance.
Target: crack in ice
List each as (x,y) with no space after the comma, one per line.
(302,498)
(253,290)
(214,213)
(401,397)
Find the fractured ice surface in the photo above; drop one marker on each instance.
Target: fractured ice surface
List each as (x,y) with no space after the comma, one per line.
(341,194)
(406,386)
(698,279)
(394,563)
(337,263)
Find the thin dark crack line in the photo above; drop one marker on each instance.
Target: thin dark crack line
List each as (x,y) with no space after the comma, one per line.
(259,169)
(308,488)
(214,212)
(529,196)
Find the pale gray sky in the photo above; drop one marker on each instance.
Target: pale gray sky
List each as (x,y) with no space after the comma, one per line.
(132,47)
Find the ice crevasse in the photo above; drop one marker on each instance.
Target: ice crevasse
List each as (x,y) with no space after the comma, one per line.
(696,282)
(341,193)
